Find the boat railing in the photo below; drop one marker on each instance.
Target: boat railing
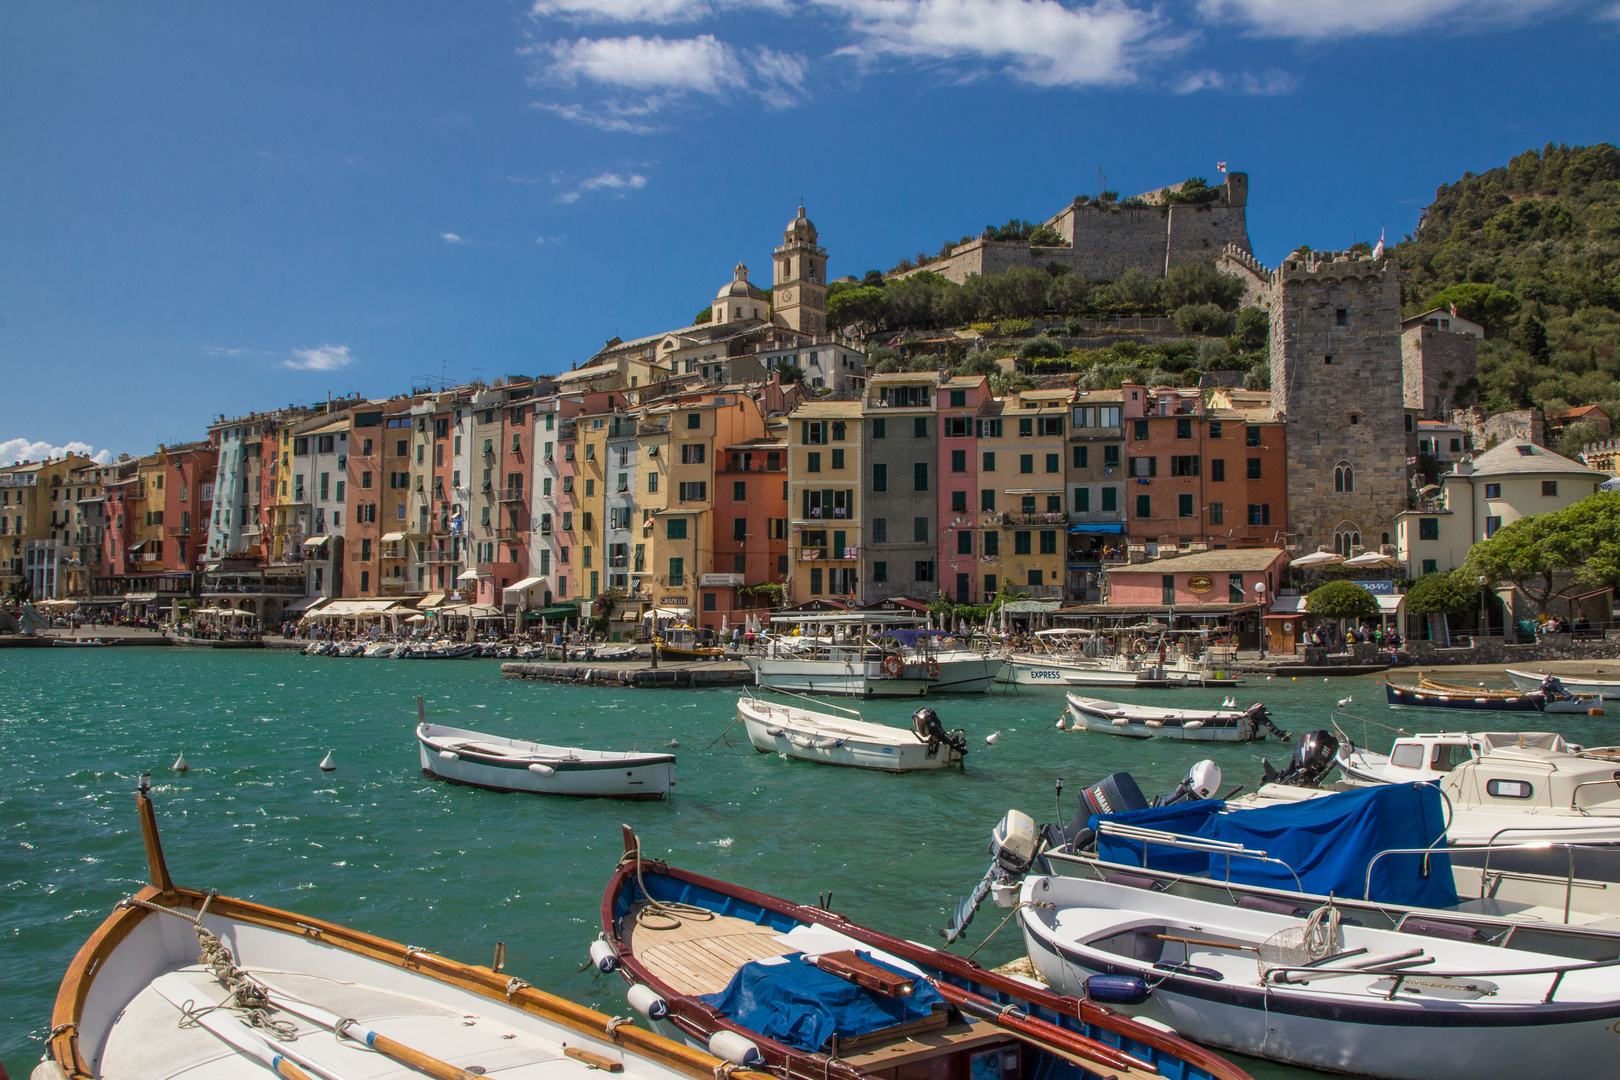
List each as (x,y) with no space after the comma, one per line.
(1574,795)
(1398,976)
(750,691)
(1489,848)
(1146,836)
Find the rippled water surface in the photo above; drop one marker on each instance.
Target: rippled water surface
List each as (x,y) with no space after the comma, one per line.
(377,847)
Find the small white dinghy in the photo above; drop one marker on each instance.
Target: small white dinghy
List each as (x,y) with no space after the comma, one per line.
(181,984)
(1153,722)
(1321,992)
(501,764)
(846,739)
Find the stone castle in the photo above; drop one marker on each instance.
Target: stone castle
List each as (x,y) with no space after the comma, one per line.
(1101,242)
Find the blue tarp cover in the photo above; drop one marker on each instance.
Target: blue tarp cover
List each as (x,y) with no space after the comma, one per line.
(1328,842)
(797,1003)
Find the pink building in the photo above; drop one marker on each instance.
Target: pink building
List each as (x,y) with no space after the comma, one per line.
(1232,587)
(959,402)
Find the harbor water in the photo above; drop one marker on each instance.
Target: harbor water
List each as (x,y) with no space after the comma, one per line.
(376,846)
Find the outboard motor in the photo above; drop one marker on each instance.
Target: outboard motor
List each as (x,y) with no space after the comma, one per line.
(1113,794)
(1260,718)
(1552,688)
(1314,757)
(1013,847)
(926,726)
(1202,781)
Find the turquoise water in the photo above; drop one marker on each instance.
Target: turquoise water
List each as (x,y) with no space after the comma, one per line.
(377,847)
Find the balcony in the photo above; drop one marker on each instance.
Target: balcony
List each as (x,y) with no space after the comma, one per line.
(1056,518)
(444,557)
(512,532)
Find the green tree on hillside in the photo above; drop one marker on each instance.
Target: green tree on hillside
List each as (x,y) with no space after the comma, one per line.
(1559,554)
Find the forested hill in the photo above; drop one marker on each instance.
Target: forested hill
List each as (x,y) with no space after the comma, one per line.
(1532,250)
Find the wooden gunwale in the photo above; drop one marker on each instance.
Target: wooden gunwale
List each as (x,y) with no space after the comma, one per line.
(63,1047)
(812,1065)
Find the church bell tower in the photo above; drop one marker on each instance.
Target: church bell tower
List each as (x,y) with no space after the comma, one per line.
(800,287)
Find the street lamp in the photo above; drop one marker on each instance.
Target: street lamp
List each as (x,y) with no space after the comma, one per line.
(1484,627)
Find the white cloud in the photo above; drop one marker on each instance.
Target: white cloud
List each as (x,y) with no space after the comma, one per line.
(325,358)
(1611,13)
(451,238)
(14,450)
(617,183)
(702,64)
(1313,19)
(659,73)
(648,11)
(1040,41)
(1263,83)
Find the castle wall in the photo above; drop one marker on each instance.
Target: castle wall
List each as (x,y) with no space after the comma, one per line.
(1106,241)
(1238,262)
(1336,381)
(1438,364)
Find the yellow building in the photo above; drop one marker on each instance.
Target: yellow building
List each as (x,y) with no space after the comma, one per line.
(649,559)
(826,489)
(1021,482)
(36,526)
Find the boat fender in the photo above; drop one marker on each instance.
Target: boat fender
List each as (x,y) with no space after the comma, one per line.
(646,1001)
(542,770)
(47,1070)
(1116,989)
(774,732)
(603,957)
(729,1046)
(449,755)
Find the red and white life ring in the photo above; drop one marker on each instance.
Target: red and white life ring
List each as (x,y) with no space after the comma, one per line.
(893,665)
(932,667)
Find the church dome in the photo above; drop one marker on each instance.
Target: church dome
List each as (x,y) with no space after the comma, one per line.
(800,225)
(738,286)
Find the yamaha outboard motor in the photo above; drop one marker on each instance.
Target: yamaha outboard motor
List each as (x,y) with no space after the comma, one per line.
(926,726)
(1113,794)
(1202,781)
(1262,719)
(1013,847)
(1314,757)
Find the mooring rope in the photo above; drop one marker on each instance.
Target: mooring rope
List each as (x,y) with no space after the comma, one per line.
(672,911)
(247,996)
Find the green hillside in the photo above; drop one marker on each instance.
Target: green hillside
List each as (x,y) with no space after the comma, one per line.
(1532,250)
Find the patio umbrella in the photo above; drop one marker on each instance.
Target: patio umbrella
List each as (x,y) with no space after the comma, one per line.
(1318,558)
(1371,559)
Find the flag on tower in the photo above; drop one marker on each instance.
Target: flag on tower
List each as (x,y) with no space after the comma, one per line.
(1220,166)
(1378,252)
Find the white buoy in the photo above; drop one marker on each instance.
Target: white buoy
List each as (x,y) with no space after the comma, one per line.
(1324,678)
(674,744)
(327,764)
(180,763)
(990,740)
(1060,723)
(1344,701)
(603,958)
(645,1000)
(542,770)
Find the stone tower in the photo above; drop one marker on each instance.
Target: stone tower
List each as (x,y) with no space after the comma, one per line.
(800,293)
(1336,382)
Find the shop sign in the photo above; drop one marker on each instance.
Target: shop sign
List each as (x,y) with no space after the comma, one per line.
(1200,583)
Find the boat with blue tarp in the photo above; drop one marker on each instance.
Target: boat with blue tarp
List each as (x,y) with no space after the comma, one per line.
(801,991)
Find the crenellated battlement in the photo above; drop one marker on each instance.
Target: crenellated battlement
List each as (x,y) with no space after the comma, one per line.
(1329,266)
(1245,258)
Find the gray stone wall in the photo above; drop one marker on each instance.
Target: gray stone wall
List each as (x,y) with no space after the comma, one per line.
(1336,381)
(1496,651)
(899,506)
(1104,242)
(1487,430)
(1438,367)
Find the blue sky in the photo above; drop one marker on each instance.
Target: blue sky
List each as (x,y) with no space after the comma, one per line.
(219,207)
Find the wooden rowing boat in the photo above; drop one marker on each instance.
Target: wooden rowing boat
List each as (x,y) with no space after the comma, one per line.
(181,984)
(681,936)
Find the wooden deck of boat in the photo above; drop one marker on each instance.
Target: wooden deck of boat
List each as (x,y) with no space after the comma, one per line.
(699,956)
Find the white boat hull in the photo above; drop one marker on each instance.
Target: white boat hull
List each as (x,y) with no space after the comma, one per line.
(837,678)
(1361,1033)
(1034,671)
(1088,715)
(831,740)
(1529,680)
(589,775)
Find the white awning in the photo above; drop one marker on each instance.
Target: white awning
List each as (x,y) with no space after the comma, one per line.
(667,613)
(350,609)
(306,603)
(140,597)
(392,538)
(316,541)
(469,575)
(526,583)
(1389,603)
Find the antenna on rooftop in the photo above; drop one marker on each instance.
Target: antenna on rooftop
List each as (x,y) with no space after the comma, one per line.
(1101,179)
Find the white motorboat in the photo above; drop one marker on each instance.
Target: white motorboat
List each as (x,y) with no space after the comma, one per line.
(1155,722)
(1112,671)
(860,659)
(1509,794)
(501,764)
(380,651)
(183,984)
(1528,681)
(1432,756)
(845,738)
(1322,993)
